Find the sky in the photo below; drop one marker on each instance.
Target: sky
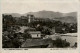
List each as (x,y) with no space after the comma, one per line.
(24,6)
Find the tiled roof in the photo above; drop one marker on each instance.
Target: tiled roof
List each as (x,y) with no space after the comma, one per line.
(34,32)
(35,42)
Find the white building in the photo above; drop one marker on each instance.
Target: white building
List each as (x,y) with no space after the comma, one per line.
(35,34)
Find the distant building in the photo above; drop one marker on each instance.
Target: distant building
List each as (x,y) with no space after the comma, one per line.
(35,34)
(32,18)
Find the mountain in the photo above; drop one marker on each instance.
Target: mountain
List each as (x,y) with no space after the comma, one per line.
(68,17)
(46,14)
(13,14)
(64,17)
(73,14)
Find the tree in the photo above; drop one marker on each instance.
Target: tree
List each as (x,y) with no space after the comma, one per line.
(26,35)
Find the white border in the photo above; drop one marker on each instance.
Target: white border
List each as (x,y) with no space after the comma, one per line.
(43,50)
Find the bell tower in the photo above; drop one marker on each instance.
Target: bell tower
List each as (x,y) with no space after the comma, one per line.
(30,18)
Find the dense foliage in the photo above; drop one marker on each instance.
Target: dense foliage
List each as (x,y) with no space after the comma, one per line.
(12,39)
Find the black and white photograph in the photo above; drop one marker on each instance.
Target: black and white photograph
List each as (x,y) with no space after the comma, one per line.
(39,25)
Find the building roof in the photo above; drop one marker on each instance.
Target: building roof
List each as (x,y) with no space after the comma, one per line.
(34,32)
(69,34)
(35,42)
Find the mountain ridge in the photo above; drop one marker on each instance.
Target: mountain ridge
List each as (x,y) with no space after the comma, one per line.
(64,17)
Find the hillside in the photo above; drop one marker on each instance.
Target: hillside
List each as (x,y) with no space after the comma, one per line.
(64,17)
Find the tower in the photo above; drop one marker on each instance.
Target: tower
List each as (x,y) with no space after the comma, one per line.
(30,18)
